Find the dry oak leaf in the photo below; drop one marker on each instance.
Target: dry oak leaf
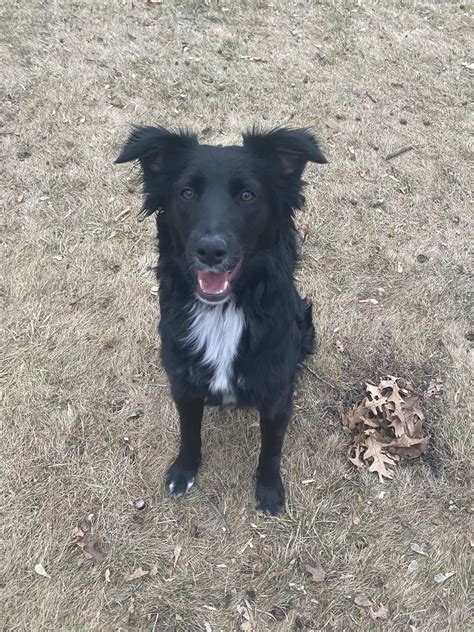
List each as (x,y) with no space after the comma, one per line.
(397,422)
(376,400)
(380,459)
(317,572)
(395,397)
(358,462)
(137,573)
(355,417)
(88,546)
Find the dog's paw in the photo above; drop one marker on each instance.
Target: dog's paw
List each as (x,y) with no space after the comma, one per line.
(179,479)
(271,498)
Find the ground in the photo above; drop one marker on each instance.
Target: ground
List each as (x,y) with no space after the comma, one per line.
(88,425)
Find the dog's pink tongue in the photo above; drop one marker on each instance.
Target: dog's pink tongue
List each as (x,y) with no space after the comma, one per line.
(213,282)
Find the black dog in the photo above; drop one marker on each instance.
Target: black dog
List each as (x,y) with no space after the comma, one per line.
(233,327)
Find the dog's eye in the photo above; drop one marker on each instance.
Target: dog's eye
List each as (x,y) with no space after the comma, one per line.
(187,194)
(247,196)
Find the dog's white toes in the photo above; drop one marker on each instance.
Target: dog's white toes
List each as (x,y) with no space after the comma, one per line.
(190,484)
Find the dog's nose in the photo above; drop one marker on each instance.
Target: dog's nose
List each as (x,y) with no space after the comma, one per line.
(211,250)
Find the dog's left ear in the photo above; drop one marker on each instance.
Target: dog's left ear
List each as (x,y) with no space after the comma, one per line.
(292,148)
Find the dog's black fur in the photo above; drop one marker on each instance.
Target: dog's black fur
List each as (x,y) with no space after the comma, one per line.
(228,213)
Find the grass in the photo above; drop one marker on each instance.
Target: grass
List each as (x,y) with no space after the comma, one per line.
(88,424)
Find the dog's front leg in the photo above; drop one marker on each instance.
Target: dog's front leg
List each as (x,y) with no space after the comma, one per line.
(182,474)
(273,423)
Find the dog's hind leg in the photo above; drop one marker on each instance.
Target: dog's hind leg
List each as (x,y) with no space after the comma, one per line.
(182,473)
(273,424)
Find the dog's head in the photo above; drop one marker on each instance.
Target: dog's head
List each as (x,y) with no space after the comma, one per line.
(221,204)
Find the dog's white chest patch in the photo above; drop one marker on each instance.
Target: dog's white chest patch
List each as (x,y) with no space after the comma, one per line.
(215,331)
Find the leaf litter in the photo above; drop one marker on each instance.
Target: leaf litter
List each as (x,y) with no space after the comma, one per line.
(386,425)
(88,546)
(442,577)
(40,570)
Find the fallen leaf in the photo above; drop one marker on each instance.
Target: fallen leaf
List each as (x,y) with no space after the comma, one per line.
(442,577)
(375,450)
(372,301)
(380,613)
(137,573)
(87,545)
(39,569)
(362,600)
(317,572)
(395,397)
(116,103)
(247,624)
(417,548)
(303,232)
(355,417)
(177,552)
(356,460)
(20,198)
(154,569)
(339,346)
(413,566)
(375,399)
(107,575)
(77,532)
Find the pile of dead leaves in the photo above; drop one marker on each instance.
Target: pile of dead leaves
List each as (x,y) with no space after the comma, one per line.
(386,424)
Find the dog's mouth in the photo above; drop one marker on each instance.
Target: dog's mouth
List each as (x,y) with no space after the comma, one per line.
(213,286)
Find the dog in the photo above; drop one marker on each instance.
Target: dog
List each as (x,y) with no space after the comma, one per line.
(233,327)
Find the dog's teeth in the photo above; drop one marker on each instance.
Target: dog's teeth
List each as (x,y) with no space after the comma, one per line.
(201,284)
(226,285)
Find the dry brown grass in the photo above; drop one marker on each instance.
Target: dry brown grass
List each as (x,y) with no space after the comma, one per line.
(80,319)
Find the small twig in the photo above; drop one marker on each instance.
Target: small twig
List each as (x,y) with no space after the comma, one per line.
(135,588)
(156,622)
(373,99)
(399,152)
(216,509)
(318,377)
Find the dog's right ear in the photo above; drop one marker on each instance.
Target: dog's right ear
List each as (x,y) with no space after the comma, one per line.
(153,146)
